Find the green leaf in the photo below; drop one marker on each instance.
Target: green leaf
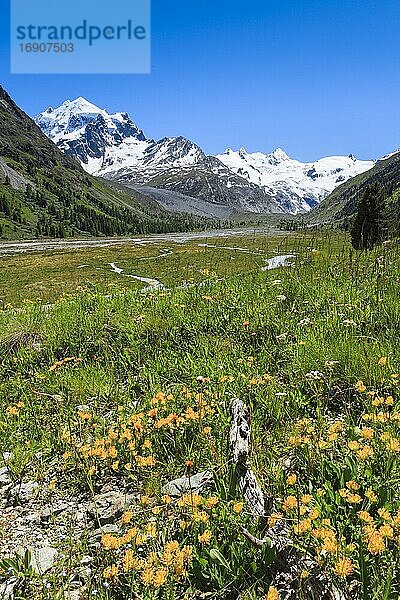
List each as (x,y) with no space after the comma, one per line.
(217,557)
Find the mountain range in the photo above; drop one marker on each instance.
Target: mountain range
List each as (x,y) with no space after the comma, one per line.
(80,171)
(112,146)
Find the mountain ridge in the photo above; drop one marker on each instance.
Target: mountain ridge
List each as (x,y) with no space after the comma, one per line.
(114,147)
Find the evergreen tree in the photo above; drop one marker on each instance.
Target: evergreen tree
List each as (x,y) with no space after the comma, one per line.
(368,226)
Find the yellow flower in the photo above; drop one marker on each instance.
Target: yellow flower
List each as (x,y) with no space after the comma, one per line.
(211,502)
(353,445)
(384,514)
(303,526)
(360,387)
(205,538)
(382,362)
(365,516)
(109,542)
(306,499)
(365,453)
(393,445)
(110,572)
(289,503)
(274,518)
(291,480)
(147,576)
(272,593)
(372,497)
(160,578)
(353,485)
(354,499)
(344,567)
(367,433)
(376,544)
(238,507)
(386,531)
(127,517)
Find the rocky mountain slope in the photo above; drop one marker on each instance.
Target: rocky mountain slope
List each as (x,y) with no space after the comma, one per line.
(113,146)
(342,203)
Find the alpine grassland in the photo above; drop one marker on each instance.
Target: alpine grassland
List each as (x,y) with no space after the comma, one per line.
(109,383)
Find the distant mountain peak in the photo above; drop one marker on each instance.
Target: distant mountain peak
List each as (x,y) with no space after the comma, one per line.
(279,155)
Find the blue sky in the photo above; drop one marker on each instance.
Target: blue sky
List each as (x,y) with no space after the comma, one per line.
(314,77)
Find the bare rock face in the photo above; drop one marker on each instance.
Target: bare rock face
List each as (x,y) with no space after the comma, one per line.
(42,559)
(108,507)
(196,483)
(23,493)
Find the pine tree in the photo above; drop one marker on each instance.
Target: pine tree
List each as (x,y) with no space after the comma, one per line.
(368,226)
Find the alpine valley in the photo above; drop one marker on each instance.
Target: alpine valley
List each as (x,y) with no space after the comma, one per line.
(176,172)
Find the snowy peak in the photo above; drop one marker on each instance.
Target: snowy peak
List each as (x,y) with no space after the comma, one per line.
(69,121)
(297,186)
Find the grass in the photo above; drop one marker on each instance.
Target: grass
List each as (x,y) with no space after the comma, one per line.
(109,384)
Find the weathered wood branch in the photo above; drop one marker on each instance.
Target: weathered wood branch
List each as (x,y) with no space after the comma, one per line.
(289,567)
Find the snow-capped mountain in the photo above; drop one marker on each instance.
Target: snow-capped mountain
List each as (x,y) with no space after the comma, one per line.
(113,146)
(296,186)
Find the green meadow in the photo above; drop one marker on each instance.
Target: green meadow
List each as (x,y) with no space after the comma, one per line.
(107,380)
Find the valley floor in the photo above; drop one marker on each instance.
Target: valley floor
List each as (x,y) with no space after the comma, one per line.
(112,387)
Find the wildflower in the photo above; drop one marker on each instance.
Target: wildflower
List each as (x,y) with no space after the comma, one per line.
(207,430)
(110,542)
(353,485)
(85,416)
(365,516)
(238,507)
(306,499)
(205,538)
(367,433)
(353,445)
(129,561)
(189,464)
(272,593)
(211,502)
(291,480)
(160,578)
(360,387)
(365,453)
(12,410)
(384,514)
(274,518)
(289,503)
(147,576)
(354,499)
(372,497)
(376,544)
(110,572)
(127,517)
(303,526)
(386,531)
(393,445)
(344,567)
(382,362)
